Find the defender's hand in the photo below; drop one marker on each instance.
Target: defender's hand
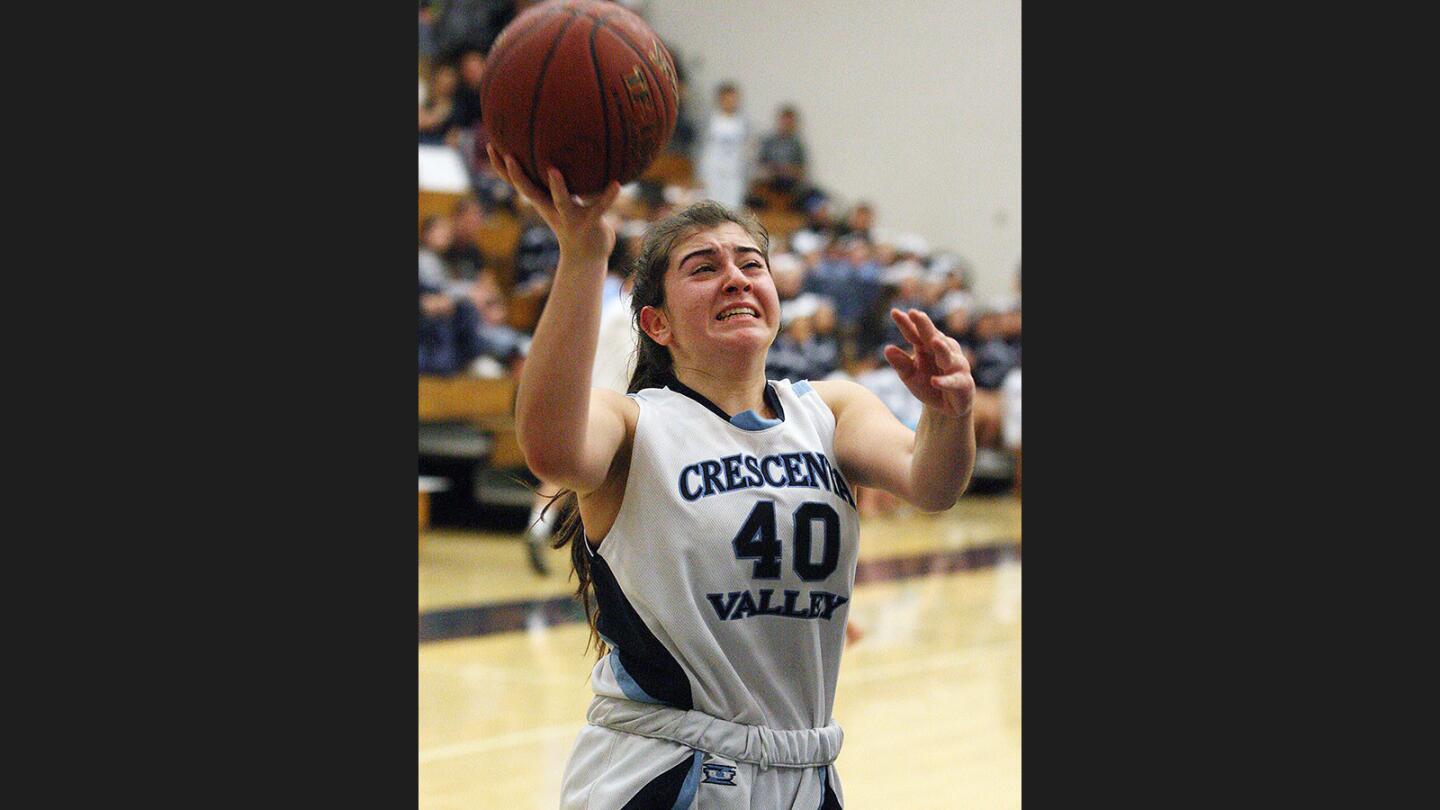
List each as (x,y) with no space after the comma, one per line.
(936,370)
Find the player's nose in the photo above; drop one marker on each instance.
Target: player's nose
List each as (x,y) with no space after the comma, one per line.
(735,278)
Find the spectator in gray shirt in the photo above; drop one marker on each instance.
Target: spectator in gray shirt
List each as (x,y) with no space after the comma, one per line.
(782,158)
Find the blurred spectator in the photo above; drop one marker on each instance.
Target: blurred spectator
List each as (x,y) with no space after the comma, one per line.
(683,141)
(428,43)
(436,238)
(860,222)
(820,227)
(932,287)
(484,290)
(437,113)
(650,198)
(464,257)
(808,347)
(997,353)
(471,24)
(782,159)
(997,347)
(911,246)
(955,294)
(536,254)
(467,94)
(497,340)
(785,360)
(829,278)
(823,349)
(905,279)
(875,373)
(1010,412)
(617,267)
(496,193)
(449,337)
(615,347)
(957,323)
(865,273)
(789,274)
(1010,419)
(849,278)
(724,150)
(428,48)
(632,233)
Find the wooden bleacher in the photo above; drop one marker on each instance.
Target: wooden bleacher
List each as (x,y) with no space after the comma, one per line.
(775,213)
(497,241)
(488,406)
(780,223)
(672,169)
(439,203)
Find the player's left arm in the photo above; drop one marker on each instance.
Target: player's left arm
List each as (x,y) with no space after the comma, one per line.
(930,466)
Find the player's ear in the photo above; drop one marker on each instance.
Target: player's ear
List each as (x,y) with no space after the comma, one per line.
(655,324)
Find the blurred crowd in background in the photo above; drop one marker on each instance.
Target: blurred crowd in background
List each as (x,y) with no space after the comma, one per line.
(837,266)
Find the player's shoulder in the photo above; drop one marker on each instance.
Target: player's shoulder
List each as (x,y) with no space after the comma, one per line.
(839,393)
(830,397)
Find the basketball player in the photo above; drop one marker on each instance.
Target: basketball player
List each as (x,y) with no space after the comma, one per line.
(716,531)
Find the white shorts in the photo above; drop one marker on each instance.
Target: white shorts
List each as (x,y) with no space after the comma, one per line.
(613,770)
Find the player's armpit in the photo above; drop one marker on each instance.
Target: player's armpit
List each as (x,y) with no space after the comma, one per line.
(581,463)
(873,448)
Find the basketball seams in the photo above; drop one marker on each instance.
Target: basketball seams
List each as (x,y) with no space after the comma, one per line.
(604,102)
(497,56)
(535,99)
(666,127)
(644,61)
(624,134)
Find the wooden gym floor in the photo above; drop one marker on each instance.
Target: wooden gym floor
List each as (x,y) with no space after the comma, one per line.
(929,697)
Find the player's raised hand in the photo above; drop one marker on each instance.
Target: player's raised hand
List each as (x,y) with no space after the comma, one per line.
(579,224)
(935,370)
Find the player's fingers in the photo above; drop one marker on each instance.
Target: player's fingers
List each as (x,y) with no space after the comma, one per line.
(946,350)
(523,184)
(957,381)
(923,325)
(608,198)
(907,329)
(559,193)
(962,362)
(496,163)
(595,206)
(904,365)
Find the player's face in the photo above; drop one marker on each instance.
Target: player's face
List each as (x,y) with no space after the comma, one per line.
(720,294)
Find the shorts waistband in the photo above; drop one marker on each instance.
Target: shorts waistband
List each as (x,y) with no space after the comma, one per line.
(756,745)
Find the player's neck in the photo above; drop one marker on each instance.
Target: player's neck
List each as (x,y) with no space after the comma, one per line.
(732,391)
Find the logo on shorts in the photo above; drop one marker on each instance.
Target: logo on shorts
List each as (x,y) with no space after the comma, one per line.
(718,775)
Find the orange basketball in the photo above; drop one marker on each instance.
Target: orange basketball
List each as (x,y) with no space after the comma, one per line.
(581,85)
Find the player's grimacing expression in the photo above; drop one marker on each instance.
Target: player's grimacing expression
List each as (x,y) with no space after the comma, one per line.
(719,295)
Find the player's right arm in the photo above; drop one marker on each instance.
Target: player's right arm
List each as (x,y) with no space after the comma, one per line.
(568,431)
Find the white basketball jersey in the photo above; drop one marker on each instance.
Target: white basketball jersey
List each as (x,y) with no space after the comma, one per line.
(725,582)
